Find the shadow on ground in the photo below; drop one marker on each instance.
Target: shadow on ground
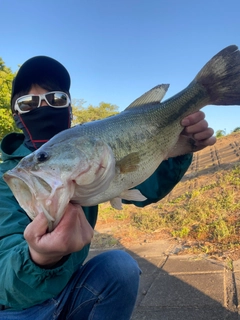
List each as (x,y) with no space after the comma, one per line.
(181,287)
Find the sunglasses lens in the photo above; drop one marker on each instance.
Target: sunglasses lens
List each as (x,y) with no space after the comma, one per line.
(28,103)
(57,99)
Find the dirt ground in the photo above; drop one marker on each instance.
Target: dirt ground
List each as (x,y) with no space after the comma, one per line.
(224,154)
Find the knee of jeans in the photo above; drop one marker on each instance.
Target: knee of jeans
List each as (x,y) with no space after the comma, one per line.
(121,266)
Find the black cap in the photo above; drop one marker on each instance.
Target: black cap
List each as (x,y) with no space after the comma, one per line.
(40,68)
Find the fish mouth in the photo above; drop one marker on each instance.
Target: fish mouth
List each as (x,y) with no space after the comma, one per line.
(37,195)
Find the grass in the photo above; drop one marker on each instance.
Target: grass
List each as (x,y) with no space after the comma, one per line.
(208,216)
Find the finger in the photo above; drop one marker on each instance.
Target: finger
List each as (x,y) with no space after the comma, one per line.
(74,219)
(193,118)
(204,135)
(87,230)
(69,218)
(37,228)
(205,143)
(196,128)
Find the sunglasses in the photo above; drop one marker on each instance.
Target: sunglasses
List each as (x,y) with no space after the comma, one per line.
(55,99)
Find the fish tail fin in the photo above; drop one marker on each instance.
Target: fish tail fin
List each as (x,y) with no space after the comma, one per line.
(221,77)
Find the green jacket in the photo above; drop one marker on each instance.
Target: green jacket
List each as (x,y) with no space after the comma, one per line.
(23,283)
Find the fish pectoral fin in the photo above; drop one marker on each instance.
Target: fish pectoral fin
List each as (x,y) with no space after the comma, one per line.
(155,95)
(133,194)
(129,163)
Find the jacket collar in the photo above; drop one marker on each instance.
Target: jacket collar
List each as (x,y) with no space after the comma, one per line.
(12,146)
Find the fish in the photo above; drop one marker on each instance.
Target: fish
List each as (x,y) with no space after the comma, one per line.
(106,159)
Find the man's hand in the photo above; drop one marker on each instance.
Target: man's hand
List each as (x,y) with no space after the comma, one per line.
(71,234)
(196,127)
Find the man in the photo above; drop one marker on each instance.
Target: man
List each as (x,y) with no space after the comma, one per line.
(42,274)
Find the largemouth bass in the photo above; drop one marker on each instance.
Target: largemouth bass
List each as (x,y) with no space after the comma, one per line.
(103,160)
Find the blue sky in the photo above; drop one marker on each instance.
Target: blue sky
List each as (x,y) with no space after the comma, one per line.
(117,50)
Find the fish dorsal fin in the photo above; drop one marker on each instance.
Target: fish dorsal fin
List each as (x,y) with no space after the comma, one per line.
(155,95)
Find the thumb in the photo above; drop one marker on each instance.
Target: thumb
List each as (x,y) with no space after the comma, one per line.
(37,228)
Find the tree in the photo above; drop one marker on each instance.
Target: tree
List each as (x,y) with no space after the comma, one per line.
(220,133)
(237,129)
(91,113)
(7,123)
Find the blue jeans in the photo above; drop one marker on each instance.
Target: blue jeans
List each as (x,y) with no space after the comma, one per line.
(105,288)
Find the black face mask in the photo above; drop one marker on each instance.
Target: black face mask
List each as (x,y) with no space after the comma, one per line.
(41,124)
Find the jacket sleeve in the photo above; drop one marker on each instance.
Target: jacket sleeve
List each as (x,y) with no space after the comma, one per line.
(163,180)
(23,283)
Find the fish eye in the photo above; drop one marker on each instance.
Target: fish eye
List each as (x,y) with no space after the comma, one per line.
(42,156)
